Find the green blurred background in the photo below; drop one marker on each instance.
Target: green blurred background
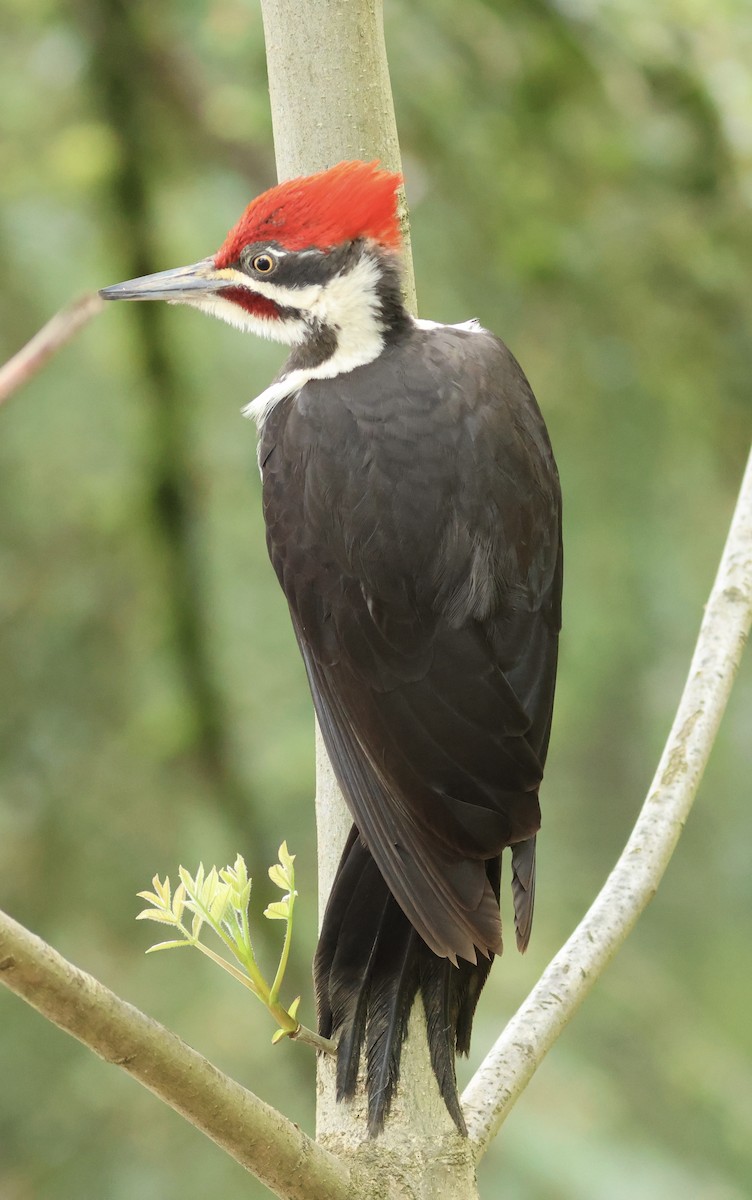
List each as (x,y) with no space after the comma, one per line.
(580,177)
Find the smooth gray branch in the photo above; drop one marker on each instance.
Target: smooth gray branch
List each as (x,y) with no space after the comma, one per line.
(254,1134)
(510,1065)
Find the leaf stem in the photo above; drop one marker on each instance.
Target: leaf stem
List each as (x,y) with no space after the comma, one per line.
(274,993)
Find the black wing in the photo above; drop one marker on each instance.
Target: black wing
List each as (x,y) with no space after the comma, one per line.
(413,519)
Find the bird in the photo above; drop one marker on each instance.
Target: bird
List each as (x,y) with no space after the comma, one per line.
(413,518)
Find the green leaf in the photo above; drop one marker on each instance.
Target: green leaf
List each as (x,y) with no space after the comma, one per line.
(187,881)
(242,899)
(220,903)
(162,890)
(281,1033)
(220,899)
(285,857)
(283,872)
(277,875)
(156,914)
(178,903)
(237,875)
(279,910)
(209,890)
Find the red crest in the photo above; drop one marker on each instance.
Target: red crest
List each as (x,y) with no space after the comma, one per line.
(351,200)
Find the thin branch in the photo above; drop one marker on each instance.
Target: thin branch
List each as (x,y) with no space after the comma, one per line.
(58,330)
(253,1133)
(530,1034)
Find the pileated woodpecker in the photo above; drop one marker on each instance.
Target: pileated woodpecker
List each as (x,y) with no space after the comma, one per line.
(413,519)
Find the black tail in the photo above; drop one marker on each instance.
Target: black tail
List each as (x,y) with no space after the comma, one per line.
(370,965)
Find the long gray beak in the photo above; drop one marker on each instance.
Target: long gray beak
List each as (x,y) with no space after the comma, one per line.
(182,283)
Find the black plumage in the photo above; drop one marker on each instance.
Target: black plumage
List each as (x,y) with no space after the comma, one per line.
(414,521)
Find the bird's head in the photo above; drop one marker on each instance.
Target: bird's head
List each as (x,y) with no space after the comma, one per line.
(311,262)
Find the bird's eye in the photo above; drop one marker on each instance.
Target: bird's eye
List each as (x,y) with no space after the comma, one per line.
(264,264)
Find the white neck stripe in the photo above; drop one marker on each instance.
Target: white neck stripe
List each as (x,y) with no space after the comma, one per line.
(340,363)
(347,304)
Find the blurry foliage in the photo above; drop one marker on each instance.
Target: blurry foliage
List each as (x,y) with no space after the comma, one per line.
(581,178)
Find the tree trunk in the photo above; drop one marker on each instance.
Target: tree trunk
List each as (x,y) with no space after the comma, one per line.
(331,100)
(329,87)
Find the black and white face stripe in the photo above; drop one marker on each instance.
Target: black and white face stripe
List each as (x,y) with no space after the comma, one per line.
(297,269)
(337,308)
(343,289)
(348,300)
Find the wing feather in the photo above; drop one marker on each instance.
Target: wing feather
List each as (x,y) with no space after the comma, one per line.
(413,519)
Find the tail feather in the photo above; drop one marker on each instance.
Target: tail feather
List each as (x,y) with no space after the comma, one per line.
(441,999)
(370,965)
(523,890)
(345,960)
(474,978)
(395,983)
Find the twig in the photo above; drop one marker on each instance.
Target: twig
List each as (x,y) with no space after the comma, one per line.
(323,1045)
(59,330)
(254,1134)
(510,1065)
